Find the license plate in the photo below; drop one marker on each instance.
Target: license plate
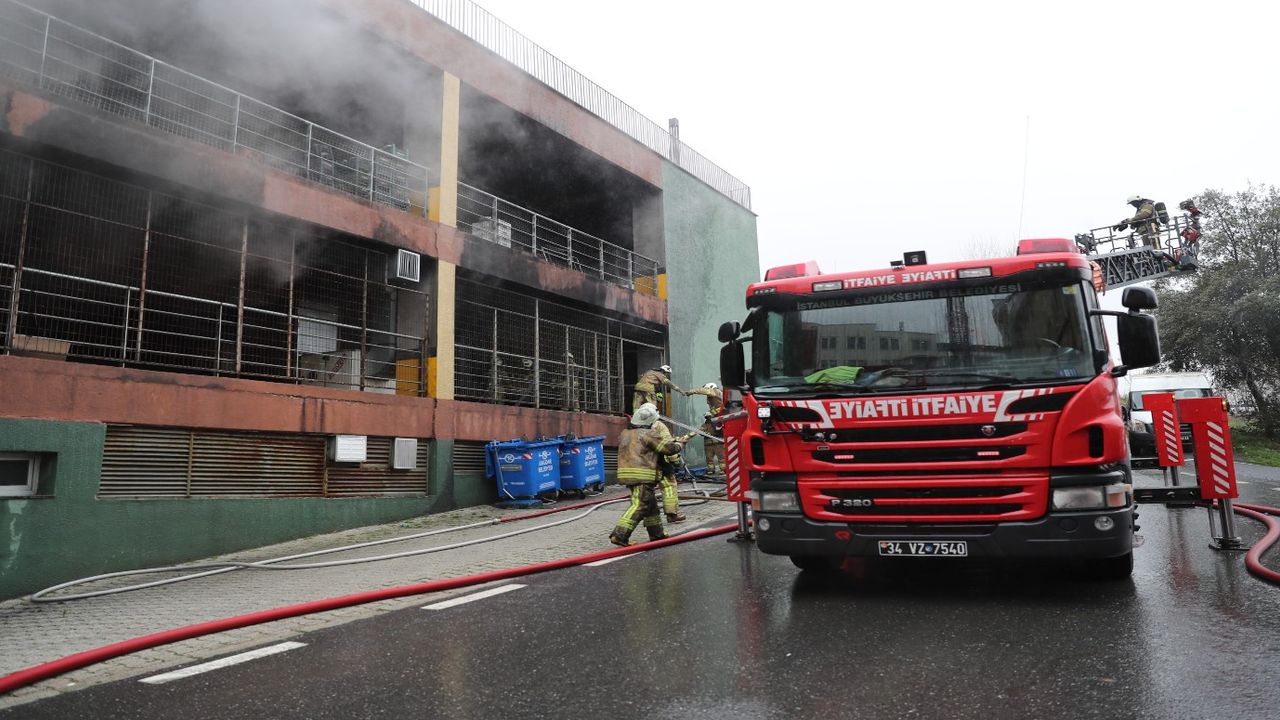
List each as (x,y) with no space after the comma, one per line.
(924,548)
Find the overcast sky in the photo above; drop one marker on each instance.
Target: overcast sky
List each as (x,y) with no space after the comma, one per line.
(868,129)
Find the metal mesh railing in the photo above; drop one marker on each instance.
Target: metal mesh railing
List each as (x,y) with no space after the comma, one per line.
(478,24)
(518,350)
(491,218)
(96,270)
(45,52)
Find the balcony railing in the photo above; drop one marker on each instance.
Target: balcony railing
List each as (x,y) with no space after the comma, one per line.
(478,24)
(45,52)
(491,218)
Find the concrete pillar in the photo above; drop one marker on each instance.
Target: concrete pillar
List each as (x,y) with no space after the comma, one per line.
(447,199)
(441,367)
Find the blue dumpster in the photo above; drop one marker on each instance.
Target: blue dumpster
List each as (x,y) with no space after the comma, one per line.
(523,470)
(582,464)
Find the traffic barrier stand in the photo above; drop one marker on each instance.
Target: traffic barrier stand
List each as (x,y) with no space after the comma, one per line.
(1215,464)
(1167,430)
(736,477)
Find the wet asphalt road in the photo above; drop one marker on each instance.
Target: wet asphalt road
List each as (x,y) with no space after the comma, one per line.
(711,629)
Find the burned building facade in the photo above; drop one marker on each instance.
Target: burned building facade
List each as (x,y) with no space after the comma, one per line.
(233,233)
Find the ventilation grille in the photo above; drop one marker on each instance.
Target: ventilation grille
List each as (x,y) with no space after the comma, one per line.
(140,462)
(408,265)
(404,454)
(468,457)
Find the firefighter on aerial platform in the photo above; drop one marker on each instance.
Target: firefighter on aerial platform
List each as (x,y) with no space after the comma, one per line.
(639,448)
(713,449)
(649,387)
(1144,222)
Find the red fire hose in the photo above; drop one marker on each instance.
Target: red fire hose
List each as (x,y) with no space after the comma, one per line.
(47,670)
(1253,559)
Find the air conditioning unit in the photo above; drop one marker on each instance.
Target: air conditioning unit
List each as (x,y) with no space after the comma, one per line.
(348,448)
(498,231)
(335,369)
(404,455)
(408,265)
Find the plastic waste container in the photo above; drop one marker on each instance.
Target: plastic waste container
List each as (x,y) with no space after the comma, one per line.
(523,469)
(582,464)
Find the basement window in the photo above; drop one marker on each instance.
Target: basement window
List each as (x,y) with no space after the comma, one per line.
(19,474)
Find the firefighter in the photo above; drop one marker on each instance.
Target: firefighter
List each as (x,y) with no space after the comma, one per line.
(639,448)
(650,385)
(1143,222)
(713,449)
(667,464)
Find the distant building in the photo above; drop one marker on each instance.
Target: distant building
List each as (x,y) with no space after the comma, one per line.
(238,235)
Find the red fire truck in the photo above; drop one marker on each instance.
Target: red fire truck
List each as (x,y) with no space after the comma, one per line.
(958,409)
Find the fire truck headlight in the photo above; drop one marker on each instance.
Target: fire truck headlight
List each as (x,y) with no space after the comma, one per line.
(1079,498)
(764,412)
(779,502)
(1115,495)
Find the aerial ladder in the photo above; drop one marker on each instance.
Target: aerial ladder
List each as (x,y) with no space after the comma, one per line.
(1128,258)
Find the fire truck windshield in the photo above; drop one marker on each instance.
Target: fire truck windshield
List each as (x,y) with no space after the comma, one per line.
(999,334)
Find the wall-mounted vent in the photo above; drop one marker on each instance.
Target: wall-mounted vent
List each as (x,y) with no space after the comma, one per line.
(494,231)
(348,448)
(408,265)
(404,455)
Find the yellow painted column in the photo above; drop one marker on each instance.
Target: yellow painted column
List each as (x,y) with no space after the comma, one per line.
(446,213)
(442,368)
(448,201)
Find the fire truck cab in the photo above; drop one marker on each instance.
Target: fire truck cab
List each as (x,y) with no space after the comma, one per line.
(938,410)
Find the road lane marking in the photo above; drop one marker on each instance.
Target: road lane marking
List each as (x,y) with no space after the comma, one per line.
(606,561)
(474,596)
(224,662)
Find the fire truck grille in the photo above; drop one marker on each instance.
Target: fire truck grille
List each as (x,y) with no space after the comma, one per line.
(938,499)
(920,455)
(917,433)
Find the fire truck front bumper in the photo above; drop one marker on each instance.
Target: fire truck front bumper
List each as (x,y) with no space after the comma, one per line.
(1091,534)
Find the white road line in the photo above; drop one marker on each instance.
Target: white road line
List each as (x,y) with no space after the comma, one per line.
(224,662)
(474,596)
(606,561)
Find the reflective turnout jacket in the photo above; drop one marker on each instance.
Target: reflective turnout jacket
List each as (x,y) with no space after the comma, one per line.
(638,451)
(715,399)
(653,381)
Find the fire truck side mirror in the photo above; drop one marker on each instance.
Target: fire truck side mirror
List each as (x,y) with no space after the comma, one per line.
(729,332)
(733,372)
(1139,341)
(1139,298)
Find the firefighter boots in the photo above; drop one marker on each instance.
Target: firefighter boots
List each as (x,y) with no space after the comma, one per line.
(677,516)
(657,532)
(621,539)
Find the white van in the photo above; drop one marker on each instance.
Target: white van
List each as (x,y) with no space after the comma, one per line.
(1181,384)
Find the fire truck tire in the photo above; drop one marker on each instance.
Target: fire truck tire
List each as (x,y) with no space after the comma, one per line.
(1113,568)
(816,563)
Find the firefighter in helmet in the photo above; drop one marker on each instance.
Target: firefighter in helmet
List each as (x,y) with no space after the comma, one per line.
(650,385)
(1144,222)
(713,449)
(639,447)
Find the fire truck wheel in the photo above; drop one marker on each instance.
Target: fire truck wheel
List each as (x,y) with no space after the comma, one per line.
(816,563)
(1114,568)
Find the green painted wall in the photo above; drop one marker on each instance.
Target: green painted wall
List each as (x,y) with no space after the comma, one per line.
(66,533)
(712,255)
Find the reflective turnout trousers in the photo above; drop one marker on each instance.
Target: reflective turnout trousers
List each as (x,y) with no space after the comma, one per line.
(643,509)
(670,503)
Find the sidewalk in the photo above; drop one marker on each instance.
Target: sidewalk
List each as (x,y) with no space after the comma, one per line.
(34,633)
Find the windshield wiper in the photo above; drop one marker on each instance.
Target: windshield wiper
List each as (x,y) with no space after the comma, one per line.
(994,381)
(829,385)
